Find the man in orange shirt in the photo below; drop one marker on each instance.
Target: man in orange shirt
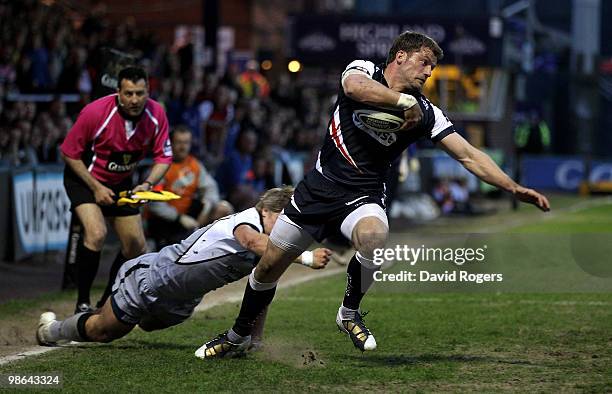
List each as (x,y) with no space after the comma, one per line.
(200,204)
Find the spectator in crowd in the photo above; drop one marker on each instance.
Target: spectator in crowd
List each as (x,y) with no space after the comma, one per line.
(532,134)
(46,138)
(43,50)
(235,172)
(216,115)
(39,60)
(199,205)
(453,196)
(262,174)
(442,196)
(5,142)
(252,83)
(19,151)
(190,116)
(74,78)
(174,103)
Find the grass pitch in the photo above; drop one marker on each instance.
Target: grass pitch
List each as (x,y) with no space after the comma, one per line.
(429,341)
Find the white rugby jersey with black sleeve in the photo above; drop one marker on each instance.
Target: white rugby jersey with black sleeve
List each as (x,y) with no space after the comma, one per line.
(208,259)
(358,157)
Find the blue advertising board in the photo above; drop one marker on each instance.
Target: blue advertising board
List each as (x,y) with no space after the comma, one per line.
(562,173)
(41,211)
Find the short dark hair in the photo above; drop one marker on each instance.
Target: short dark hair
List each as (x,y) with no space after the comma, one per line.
(410,41)
(181,128)
(132,73)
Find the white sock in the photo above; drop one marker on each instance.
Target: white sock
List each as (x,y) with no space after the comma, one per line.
(235,338)
(54,331)
(347,313)
(65,329)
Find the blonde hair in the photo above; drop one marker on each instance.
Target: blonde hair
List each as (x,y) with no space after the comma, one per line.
(275,199)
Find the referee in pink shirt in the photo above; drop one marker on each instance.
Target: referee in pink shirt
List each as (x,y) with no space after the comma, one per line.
(101,151)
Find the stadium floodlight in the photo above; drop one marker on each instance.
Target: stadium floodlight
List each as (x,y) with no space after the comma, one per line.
(266,65)
(294,66)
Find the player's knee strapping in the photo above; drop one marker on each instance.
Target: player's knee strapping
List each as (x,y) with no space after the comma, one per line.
(289,237)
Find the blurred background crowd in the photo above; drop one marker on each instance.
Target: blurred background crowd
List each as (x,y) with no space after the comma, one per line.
(518,78)
(241,123)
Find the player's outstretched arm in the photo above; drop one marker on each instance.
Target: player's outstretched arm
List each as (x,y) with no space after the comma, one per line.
(256,242)
(481,165)
(251,239)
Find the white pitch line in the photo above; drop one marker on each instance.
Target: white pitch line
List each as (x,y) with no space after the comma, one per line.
(33,351)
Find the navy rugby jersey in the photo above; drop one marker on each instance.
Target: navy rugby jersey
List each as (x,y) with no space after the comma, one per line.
(359,157)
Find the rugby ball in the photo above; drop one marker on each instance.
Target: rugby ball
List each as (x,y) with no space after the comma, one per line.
(382,122)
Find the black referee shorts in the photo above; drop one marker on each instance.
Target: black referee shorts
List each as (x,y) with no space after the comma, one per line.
(322,205)
(79,193)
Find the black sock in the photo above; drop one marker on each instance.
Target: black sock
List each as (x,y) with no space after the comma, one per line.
(358,281)
(253,304)
(119,260)
(81,326)
(87,262)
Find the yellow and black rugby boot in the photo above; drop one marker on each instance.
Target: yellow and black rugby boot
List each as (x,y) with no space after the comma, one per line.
(221,346)
(356,329)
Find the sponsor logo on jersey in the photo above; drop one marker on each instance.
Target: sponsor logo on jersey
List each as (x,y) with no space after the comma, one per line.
(425,103)
(123,161)
(372,125)
(386,139)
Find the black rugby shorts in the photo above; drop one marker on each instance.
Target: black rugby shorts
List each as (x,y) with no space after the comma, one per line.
(79,193)
(322,205)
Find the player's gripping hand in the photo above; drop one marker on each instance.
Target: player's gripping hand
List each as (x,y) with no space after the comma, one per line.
(321,257)
(530,196)
(104,195)
(412,117)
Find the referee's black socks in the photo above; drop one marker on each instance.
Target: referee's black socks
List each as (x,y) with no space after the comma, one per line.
(87,262)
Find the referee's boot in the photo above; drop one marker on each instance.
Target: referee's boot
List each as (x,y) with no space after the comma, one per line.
(221,346)
(83,307)
(356,329)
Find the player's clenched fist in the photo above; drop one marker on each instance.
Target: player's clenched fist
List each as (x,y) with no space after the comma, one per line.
(321,257)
